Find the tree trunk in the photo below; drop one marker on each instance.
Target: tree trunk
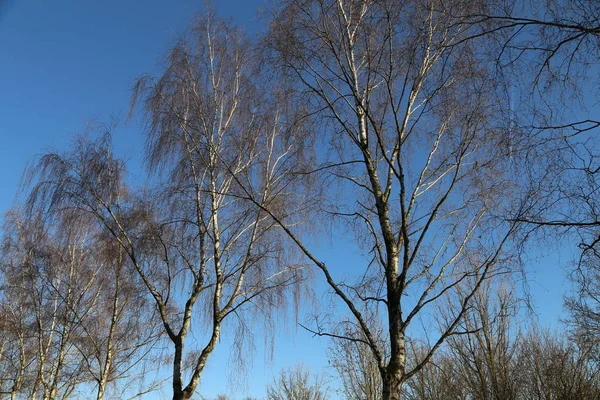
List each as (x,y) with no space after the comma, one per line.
(394,371)
(109,344)
(181,395)
(178,393)
(392,385)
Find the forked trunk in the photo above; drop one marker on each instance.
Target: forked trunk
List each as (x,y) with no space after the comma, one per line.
(181,395)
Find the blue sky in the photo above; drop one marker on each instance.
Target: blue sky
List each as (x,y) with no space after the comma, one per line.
(66,63)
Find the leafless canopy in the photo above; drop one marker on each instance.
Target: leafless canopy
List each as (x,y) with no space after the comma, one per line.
(203,254)
(413,117)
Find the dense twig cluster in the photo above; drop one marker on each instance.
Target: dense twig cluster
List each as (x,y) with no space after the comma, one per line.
(391,122)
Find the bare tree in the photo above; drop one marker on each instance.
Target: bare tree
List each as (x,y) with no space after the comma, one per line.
(49,265)
(121,328)
(560,35)
(584,303)
(297,384)
(203,255)
(486,358)
(440,379)
(554,46)
(16,348)
(555,368)
(541,365)
(418,164)
(481,364)
(570,210)
(65,322)
(354,362)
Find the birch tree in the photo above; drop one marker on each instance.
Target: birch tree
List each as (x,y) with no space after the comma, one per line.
(51,272)
(415,156)
(120,330)
(16,348)
(209,260)
(69,320)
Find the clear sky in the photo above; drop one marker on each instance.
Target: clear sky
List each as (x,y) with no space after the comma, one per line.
(64,63)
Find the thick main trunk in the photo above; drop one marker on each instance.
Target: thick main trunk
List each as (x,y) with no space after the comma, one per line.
(392,386)
(100,395)
(394,371)
(178,393)
(393,378)
(181,395)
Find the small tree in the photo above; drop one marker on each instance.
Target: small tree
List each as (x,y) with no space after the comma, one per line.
(441,379)
(66,321)
(354,362)
(17,351)
(50,279)
(553,367)
(297,384)
(486,356)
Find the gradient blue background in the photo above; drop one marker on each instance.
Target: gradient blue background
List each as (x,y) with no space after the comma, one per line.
(66,63)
